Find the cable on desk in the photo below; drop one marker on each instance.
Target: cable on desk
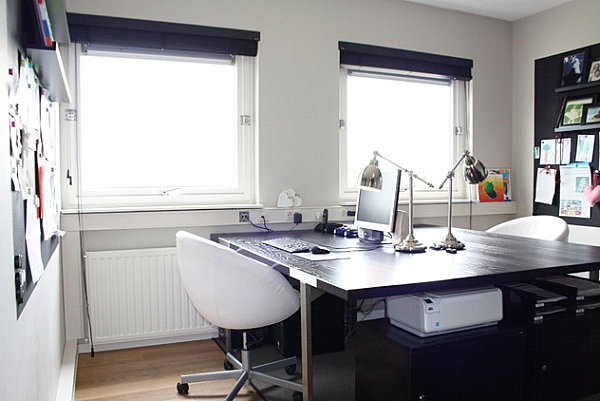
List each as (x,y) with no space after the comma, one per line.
(264,227)
(340,249)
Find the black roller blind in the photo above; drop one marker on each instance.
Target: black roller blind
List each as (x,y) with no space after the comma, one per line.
(161,36)
(405,60)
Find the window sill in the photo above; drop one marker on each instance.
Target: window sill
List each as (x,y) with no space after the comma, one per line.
(212,216)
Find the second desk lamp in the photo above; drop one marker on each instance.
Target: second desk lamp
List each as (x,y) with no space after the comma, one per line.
(371,178)
(475,172)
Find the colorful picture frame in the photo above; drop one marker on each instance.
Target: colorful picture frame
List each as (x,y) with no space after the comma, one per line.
(573,112)
(591,113)
(573,69)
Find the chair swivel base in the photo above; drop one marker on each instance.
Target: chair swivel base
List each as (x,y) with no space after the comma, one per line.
(245,373)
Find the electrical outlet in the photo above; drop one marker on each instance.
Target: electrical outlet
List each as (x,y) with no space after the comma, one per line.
(244,216)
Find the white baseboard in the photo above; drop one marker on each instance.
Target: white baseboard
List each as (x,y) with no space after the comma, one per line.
(85,348)
(68,373)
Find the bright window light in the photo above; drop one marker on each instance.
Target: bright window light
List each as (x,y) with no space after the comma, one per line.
(149,125)
(408,121)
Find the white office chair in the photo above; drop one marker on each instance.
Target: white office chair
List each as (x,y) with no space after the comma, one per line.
(541,227)
(235,292)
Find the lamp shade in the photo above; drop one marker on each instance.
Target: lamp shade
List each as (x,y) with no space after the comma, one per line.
(371,176)
(475,171)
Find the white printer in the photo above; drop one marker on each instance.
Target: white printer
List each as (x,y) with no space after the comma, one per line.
(431,313)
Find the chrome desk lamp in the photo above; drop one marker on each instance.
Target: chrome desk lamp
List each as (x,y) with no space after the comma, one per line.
(475,172)
(371,178)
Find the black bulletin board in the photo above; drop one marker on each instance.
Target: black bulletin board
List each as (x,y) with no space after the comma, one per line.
(550,94)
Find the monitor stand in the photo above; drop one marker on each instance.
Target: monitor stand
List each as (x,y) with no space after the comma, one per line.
(367,235)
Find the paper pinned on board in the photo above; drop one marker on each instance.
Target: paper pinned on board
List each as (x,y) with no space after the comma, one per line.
(555,151)
(585,148)
(573,180)
(545,185)
(33,238)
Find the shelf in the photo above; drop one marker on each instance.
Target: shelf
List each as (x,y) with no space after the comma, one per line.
(577,87)
(578,127)
(49,66)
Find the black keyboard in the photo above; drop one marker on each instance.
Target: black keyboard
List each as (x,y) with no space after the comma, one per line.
(289,244)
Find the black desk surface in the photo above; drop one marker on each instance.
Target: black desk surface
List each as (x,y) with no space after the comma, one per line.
(487,259)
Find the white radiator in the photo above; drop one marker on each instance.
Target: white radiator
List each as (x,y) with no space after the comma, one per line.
(138,295)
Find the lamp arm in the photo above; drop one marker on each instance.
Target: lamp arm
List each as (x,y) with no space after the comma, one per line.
(451,172)
(409,172)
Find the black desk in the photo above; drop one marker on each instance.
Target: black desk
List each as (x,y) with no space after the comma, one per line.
(487,259)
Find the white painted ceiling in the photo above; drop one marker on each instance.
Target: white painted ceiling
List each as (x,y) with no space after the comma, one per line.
(510,10)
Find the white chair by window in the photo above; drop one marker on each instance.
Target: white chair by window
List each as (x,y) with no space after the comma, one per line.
(235,292)
(540,227)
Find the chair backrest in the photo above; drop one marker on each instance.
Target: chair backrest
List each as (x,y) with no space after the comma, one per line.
(540,227)
(230,290)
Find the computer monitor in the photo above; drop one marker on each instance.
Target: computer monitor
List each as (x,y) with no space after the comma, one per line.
(376,210)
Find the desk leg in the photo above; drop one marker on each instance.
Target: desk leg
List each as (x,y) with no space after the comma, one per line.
(306,341)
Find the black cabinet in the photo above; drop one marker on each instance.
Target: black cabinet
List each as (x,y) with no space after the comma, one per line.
(563,361)
(557,360)
(482,364)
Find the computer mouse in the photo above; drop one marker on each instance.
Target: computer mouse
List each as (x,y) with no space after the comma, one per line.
(318,251)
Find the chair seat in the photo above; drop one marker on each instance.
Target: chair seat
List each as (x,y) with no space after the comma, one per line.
(540,227)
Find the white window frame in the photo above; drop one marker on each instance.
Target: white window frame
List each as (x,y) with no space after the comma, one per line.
(243,194)
(461,95)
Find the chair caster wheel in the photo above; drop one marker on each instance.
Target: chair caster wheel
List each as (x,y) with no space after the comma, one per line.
(183,388)
(227,365)
(297,396)
(290,370)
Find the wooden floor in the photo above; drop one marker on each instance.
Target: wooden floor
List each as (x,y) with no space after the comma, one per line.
(151,374)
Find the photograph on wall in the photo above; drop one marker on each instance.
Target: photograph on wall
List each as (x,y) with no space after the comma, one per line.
(573,180)
(591,113)
(572,70)
(492,188)
(574,110)
(594,71)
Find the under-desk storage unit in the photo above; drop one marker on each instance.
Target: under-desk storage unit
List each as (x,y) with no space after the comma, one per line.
(563,359)
(474,365)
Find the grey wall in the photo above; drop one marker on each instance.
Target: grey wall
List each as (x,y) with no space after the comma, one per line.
(298,71)
(298,95)
(31,347)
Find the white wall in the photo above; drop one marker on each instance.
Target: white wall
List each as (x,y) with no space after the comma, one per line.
(31,347)
(563,28)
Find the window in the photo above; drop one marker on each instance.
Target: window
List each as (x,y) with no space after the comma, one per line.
(164,114)
(417,119)
(163,130)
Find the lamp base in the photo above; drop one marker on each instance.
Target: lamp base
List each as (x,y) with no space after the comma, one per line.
(451,242)
(410,245)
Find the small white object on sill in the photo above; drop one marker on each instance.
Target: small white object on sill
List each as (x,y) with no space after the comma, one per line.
(289,198)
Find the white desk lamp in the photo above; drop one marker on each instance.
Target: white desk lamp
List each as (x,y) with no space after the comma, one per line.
(475,172)
(371,178)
